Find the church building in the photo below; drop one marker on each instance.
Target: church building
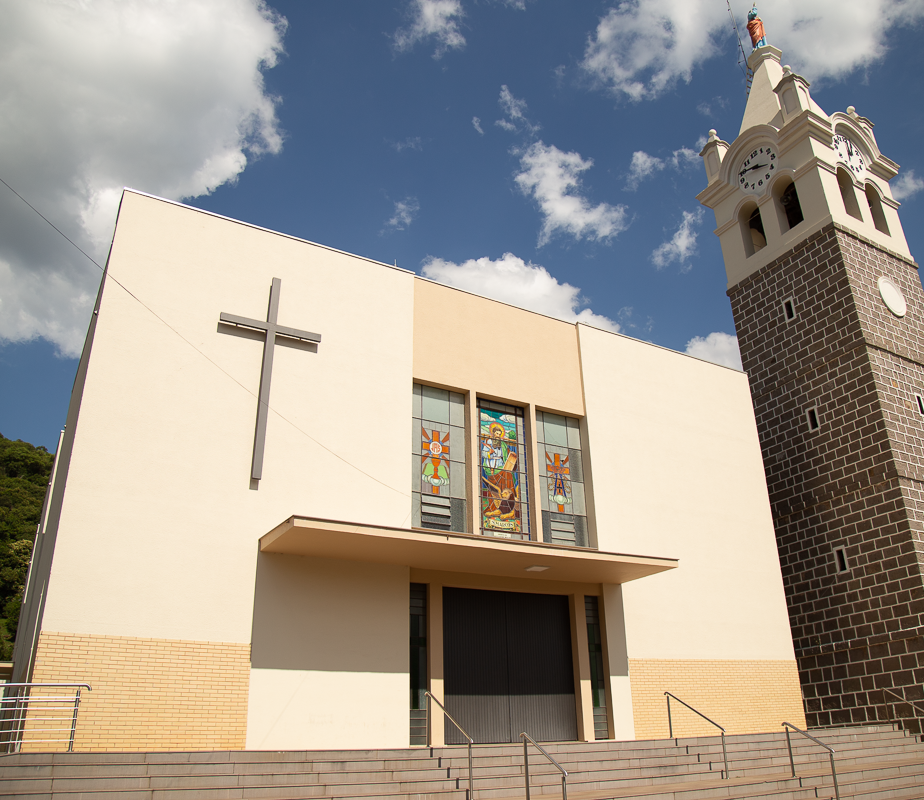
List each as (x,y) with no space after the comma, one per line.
(829,312)
(298,489)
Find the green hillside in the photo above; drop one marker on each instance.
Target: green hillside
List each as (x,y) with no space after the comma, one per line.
(24,474)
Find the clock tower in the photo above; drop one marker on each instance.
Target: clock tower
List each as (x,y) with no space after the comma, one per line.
(829,313)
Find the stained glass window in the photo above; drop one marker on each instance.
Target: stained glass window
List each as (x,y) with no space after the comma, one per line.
(438,459)
(504,487)
(561,480)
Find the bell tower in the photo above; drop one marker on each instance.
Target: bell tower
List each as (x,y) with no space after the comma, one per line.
(829,312)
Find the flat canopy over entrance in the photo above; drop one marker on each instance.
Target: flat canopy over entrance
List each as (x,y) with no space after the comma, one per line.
(456,552)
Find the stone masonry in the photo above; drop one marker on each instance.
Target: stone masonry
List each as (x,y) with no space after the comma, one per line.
(857,481)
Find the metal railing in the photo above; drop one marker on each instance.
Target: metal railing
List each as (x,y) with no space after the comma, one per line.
(564,773)
(670,726)
(48,718)
(890,706)
(471,741)
(830,750)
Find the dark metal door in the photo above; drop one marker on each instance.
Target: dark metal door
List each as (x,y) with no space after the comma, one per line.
(507,666)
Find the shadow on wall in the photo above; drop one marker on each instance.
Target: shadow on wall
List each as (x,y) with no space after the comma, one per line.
(333,616)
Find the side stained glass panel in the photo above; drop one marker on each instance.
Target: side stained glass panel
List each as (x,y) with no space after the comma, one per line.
(561,471)
(438,459)
(504,491)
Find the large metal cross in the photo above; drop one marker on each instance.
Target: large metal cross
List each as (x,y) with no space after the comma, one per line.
(270,329)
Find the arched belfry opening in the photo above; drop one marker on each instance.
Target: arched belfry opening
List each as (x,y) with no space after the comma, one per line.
(875,208)
(848,193)
(788,207)
(752,229)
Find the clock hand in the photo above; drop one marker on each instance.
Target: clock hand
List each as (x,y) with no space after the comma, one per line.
(756,166)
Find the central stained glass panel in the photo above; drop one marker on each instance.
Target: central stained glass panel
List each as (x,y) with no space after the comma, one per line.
(504,488)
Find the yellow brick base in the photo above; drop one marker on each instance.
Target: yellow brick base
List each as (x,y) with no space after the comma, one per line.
(150,694)
(741,696)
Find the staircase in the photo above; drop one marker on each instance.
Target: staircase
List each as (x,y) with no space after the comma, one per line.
(873,763)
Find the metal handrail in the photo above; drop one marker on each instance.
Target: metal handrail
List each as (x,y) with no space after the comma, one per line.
(670,725)
(830,750)
(471,741)
(14,711)
(564,773)
(891,706)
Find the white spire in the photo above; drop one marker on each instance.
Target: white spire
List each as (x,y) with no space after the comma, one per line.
(763,106)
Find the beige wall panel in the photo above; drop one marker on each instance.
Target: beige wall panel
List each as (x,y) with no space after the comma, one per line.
(151,694)
(311,710)
(329,654)
(677,472)
(741,696)
(159,528)
(467,342)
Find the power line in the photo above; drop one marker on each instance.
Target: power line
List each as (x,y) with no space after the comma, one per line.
(92,260)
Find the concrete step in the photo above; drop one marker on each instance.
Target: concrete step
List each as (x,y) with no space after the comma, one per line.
(874,763)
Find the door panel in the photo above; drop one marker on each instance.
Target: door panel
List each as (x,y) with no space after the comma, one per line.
(507,666)
(540,667)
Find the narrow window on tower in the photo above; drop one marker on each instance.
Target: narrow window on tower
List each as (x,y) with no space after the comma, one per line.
(840,559)
(920,403)
(875,208)
(789,309)
(848,193)
(811,417)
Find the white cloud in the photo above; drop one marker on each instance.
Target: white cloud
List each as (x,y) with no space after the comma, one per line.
(712,108)
(644,165)
(98,95)
(718,347)
(627,321)
(514,281)
(411,143)
(552,178)
(682,244)
(405,213)
(432,19)
(907,185)
(476,124)
(642,47)
(515,119)
(685,158)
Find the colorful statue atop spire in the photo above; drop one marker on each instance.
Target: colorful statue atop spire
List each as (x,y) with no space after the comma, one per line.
(756,29)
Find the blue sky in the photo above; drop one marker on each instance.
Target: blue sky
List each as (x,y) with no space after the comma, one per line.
(540,151)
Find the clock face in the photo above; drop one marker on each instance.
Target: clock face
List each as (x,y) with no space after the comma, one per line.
(850,154)
(756,169)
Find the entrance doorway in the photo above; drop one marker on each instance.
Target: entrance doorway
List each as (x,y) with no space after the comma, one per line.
(507,666)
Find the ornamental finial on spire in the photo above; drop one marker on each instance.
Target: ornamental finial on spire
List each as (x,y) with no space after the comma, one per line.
(756,29)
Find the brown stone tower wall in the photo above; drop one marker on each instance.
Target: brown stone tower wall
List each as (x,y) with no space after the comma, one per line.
(858,481)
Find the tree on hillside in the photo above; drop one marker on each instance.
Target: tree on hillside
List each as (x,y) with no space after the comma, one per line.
(24,474)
